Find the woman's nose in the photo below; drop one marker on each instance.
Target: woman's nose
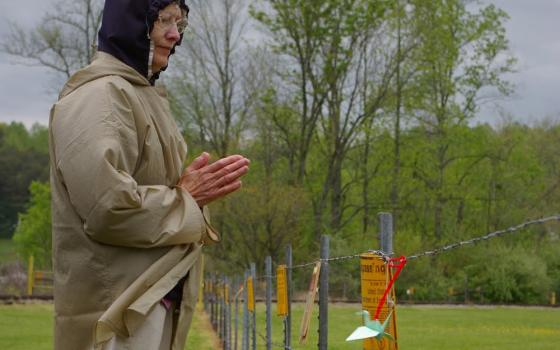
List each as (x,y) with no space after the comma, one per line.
(173,34)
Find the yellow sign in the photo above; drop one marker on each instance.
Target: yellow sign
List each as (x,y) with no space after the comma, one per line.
(281,291)
(250,295)
(309,301)
(375,276)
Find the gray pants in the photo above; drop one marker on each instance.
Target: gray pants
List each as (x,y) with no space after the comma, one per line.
(154,334)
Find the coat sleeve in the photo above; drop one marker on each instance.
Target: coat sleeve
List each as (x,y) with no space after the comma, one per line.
(97,153)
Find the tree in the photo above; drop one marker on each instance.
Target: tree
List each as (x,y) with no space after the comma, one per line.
(64,41)
(33,233)
(462,55)
(23,158)
(328,42)
(214,82)
(295,29)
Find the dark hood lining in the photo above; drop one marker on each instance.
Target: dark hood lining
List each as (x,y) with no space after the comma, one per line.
(125,27)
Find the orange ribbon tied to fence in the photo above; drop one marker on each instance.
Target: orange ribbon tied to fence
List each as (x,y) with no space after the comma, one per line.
(397,263)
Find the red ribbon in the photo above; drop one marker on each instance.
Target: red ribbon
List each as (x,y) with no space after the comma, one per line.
(396,263)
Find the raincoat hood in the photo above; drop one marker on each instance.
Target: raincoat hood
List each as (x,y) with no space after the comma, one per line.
(103,65)
(125,30)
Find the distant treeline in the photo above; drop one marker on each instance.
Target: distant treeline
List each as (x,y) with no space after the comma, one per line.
(24,157)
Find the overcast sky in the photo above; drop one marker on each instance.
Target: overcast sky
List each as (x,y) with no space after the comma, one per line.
(25,94)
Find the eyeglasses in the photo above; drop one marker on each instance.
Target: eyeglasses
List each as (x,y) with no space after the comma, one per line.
(166,21)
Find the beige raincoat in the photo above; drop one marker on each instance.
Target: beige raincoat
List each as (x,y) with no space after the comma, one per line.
(123,234)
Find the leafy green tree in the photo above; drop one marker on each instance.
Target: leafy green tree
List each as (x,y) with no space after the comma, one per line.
(33,234)
(461,54)
(23,158)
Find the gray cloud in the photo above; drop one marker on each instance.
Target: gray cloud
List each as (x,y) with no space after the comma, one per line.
(24,92)
(536,44)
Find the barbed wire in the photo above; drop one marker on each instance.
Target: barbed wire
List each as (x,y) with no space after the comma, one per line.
(431,252)
(338,258)
(448,247)
(494,234)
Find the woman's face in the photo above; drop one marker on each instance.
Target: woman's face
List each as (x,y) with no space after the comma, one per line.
(165,35)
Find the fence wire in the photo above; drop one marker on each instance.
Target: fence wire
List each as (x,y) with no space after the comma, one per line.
(446,248)
(474,240)
(339,258)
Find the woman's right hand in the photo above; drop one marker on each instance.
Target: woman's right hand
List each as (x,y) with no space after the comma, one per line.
(208,182)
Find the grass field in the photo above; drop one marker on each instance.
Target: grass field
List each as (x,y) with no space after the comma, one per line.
(457,328)
(25,327)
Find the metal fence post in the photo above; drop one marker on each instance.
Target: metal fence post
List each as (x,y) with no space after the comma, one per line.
(227,314)
(288,319)
(245,337)
(218,311)
(254,316)
(206,305)
(268,273)
(324,295)
(222,311)
(212,303)
(236,315)
(386,233)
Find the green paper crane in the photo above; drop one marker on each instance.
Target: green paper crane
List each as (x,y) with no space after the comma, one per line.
(371,328)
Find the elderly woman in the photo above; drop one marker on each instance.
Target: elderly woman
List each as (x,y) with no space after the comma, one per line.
(128,222)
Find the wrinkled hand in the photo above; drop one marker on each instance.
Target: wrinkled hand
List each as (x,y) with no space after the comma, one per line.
(208,182)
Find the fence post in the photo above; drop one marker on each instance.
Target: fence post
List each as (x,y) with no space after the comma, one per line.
(230,307)
(245,337)
(217,307)
(218,310)
(288,319)
(200,302)
(254,316)
(236,315)
(268,273)
(212,303)
(222,311)
(206,294)
(324,295)
(227,314)
(386,233)
(30,275)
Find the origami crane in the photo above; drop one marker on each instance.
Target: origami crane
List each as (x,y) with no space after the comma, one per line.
(371,329)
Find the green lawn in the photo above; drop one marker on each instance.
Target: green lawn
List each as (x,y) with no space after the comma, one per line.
(454,328)
(25,327)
